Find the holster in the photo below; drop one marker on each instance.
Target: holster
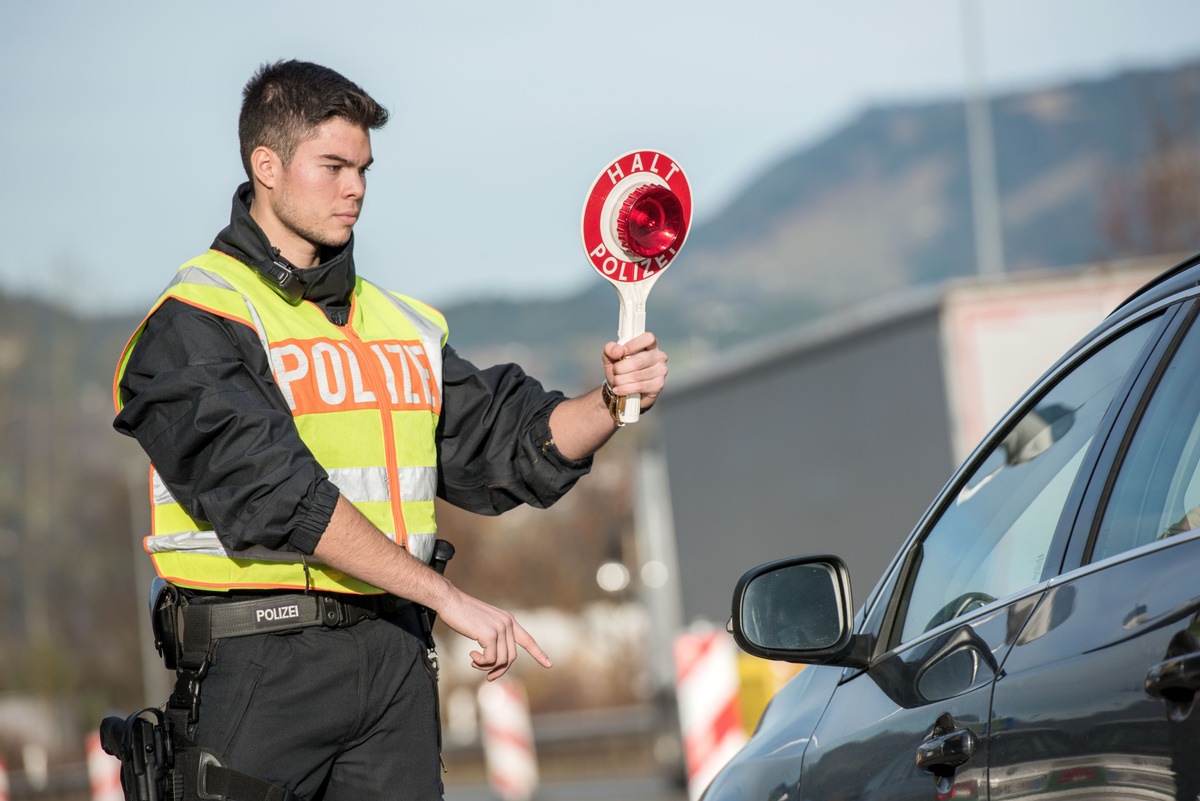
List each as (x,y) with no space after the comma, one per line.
(154,768)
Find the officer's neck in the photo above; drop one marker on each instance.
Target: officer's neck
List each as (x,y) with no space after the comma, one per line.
(298,251)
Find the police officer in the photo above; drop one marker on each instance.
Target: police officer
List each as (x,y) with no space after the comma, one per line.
(300,421)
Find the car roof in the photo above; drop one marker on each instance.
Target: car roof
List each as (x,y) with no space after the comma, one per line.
(1182,276)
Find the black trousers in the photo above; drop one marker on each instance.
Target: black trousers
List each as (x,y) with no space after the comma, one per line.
(331,714)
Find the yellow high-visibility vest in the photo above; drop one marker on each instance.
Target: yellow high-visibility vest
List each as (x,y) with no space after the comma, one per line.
(366,398)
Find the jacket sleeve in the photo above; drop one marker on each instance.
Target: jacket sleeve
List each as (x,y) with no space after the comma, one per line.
(495,450)
(199,397)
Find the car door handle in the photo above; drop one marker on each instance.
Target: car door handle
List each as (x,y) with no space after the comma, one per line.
(941,754)
(1176,679)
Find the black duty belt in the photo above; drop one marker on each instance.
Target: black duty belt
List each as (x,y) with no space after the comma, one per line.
(237,618)
(208,617)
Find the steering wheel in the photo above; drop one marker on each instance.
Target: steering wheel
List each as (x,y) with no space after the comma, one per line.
(964,603)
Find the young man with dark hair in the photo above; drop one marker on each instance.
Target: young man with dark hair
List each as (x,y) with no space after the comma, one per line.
(300,422)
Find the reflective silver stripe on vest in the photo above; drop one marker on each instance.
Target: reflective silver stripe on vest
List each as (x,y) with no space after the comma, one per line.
(191,274)
(358,484)
(201,277)
(370,484)
(161,495)
(421,546)
(206,543)
(429,331)
(261,330)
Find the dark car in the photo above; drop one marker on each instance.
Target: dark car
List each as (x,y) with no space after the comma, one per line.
(1038,634)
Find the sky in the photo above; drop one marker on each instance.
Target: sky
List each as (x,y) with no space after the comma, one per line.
(119,134)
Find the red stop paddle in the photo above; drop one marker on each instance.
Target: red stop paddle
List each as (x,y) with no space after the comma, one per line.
(635,219)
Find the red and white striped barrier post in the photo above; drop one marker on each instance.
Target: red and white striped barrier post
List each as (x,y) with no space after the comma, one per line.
(4,791)
(707,687)
(104,771)
(508,739)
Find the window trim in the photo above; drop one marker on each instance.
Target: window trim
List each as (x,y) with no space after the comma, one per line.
(1098,495)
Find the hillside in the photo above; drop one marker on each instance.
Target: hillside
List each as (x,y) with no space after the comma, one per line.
(1086,171)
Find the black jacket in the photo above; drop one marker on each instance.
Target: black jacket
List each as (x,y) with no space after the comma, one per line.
(200,397)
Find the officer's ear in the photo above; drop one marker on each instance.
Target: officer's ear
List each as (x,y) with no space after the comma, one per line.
(265,166)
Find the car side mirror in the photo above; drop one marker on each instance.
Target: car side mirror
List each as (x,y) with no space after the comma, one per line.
(797,610)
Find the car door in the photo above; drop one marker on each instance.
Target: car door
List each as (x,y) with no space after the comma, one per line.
(1096,696)
(915,723)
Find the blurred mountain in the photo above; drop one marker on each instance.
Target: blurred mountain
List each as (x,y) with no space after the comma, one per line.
(1087,171)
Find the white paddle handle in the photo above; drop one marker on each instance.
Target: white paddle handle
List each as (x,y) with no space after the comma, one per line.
(632,321)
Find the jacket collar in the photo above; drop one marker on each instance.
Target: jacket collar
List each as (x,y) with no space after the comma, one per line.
(329,285)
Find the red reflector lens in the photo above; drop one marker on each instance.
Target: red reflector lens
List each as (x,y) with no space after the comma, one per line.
(1085,773)
(650,220)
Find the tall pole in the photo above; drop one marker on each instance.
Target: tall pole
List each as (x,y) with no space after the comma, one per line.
(985,204)
(658,563)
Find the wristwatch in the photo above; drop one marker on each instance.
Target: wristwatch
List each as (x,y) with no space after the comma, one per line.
(614,402)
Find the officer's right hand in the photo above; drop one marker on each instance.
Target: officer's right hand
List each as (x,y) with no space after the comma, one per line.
(496,631)
(353,544)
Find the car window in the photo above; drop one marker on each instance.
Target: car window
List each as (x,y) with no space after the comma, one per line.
(992,539)
(1157,491)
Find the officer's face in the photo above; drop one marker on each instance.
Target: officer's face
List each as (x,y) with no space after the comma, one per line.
(320,191)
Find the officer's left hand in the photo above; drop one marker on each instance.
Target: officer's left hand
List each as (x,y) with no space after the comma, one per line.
(637,366)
